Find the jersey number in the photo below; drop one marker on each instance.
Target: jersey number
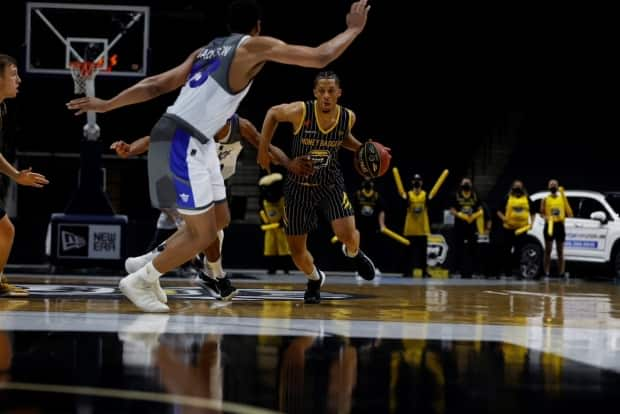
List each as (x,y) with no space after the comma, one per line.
(201,72)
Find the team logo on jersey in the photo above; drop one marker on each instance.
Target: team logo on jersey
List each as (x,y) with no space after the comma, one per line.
(320,158)
(184,197)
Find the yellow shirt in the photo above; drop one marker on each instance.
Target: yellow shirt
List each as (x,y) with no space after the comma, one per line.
(555,208)
(517,212)
(416,222)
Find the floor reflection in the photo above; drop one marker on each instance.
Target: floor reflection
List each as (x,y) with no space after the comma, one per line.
(152,371)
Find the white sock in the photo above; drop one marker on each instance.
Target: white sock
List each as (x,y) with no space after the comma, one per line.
(150,255)
(214,269)
(314,275)
(150,274)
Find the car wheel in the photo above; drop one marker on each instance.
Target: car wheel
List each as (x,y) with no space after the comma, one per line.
(530,263)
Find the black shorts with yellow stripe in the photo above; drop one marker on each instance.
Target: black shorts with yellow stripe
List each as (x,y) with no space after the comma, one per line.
(302,202)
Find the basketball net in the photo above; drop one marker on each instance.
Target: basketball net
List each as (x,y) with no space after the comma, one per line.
(83,74)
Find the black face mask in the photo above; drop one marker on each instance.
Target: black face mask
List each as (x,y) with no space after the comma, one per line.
(466,187)
(517,191)
(367,186)
(417,184)
(553,190)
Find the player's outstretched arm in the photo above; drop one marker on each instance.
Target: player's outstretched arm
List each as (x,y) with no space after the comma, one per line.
(275,50)
(146,89)
(291,113)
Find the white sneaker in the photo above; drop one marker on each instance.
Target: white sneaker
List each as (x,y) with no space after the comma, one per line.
(133,264)
(159,292)
(140,293)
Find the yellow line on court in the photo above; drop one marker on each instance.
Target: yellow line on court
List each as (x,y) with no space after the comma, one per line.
(199,402)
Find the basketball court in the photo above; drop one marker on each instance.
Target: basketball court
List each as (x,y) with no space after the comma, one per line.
(391,345)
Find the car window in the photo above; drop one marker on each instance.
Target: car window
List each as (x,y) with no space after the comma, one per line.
(583,207)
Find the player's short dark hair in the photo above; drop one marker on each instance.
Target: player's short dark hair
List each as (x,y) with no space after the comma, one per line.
(327,74)
(243,16)
(6,60)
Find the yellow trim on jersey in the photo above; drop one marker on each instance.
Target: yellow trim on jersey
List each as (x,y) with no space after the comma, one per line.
(318,124)
(301,124)
(350,119)
(345,201)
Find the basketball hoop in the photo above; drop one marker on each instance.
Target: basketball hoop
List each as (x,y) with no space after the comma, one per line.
(82,72)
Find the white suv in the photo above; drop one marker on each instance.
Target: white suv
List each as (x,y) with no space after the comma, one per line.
(592,235)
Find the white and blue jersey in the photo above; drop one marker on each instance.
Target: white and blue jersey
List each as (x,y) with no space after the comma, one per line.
(184,169)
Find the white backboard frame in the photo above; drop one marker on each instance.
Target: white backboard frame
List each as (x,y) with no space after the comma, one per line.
(31,9)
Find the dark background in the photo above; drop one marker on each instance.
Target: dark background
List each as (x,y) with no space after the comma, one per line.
(433,82)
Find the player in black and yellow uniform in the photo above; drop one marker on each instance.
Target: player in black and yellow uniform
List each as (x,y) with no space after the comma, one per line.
(466,208)
(417,228)
(517,216)
(369,215)
(320,128)
(554,209)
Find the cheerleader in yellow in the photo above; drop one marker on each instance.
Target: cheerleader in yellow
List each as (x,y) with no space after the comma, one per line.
(276,249)
(517,216)
(417,227)
(554,209)
(466,209)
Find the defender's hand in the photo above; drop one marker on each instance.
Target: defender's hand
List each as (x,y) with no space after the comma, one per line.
(88,103)
(122,149)
(358,15)
(264,159)
(31,179)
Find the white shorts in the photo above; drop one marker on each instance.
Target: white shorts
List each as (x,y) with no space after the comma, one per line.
(183,172)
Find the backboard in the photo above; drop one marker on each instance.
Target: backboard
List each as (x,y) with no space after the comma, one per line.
(59,33)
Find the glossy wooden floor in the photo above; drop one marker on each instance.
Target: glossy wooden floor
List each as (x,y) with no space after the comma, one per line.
(395,346)
(574,303)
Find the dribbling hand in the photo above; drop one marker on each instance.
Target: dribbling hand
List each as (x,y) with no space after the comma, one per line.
(357,16)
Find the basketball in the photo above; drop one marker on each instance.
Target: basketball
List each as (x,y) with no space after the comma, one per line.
(372,160)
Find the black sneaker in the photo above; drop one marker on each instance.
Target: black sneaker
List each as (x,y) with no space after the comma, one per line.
(227,290)
(312,295)
(209,284)
(364,266)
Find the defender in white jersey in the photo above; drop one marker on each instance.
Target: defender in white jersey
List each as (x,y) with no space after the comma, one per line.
(229,145)
(215,79)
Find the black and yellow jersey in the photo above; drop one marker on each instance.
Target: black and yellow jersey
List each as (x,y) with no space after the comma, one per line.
(320,144)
